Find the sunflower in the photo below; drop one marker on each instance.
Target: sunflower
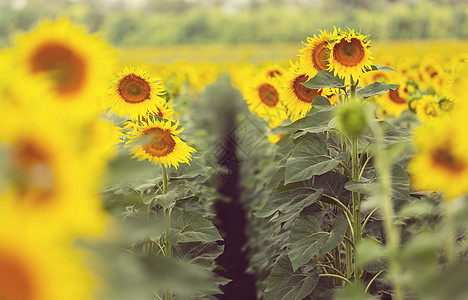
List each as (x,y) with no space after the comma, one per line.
(272,70)
(135,93)
(297,98)
(157,141)
(316,55)
(49,175)
(34,263)
(396,101)
(77,64)
(441,162)
(349,55)
(263,97)
(427,108)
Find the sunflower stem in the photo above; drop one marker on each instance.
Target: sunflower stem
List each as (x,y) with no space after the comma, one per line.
(167,222)
(450,232)
(393,236)
(356,197)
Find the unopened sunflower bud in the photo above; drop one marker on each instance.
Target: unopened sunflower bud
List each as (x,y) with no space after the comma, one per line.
(352,119)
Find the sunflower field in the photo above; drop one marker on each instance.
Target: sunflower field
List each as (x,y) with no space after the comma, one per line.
(331,169)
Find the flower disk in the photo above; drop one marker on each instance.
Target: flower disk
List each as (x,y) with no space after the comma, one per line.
(134,93)
(158,142)
(350,56)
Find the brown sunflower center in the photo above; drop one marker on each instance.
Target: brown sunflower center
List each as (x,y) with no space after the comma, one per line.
(65,67)
(304,93)
(268,94)
(444,158)
(395,96)
(161,142)
(349,54)
(34,172)
(15,280)
(134,89)
(320,56)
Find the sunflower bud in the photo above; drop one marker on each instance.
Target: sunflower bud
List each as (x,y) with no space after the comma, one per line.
(352,119)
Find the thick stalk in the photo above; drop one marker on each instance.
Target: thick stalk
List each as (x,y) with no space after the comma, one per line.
(393,236)
(450,232)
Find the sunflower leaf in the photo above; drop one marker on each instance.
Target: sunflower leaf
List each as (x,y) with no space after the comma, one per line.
(307,239)
(286,284)
(191,227)
(324,79)
(374,89)
(380,68)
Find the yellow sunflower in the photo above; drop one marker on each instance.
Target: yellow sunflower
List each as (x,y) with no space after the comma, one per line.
(349,55)
(396,101)
(427,108)
(35,265)
(77,64)
(297,98)
(273,70)
(135,93)
(263,97)
(316,55)
(157,141)
(441,162)
(49,175)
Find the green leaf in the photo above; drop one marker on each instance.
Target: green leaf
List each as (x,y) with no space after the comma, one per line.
(380,68)
(324,79)
(353,291)
(201,254)
(191,227)
(307,239)
(400,183)
(310,158)
(291,200)
(285,284)
(319,119)
(366,188)
(369,251)
(375,88)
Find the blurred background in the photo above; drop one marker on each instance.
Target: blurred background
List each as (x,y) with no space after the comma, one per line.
(127,23)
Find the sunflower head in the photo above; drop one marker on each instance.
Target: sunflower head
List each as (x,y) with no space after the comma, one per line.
(158,142)
(297,98)
(135,93)
(263,97)
(77,64)
(315,56)
(349,54)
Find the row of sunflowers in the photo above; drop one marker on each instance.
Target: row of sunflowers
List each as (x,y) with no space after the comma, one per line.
(73,114)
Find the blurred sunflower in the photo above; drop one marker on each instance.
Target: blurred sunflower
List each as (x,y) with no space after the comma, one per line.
(157,141)
(35,265)
(77,64)
(349,55)
(49,177)
(273,70)
(396,101)
(263,97)
(441,162)
(316,55)
(135,93)
(297,98)
(427,108)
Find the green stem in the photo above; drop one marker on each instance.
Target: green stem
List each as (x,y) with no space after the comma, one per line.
(393,236)
(356,197)
(167,222)
(335,276)
(349,257)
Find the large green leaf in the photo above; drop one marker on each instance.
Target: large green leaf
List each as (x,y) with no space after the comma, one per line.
(324,79)
(375,88)
(319,119)
(201,254)
(285,284)
(307,239)
(291,200)
(191,227)
(310,158)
